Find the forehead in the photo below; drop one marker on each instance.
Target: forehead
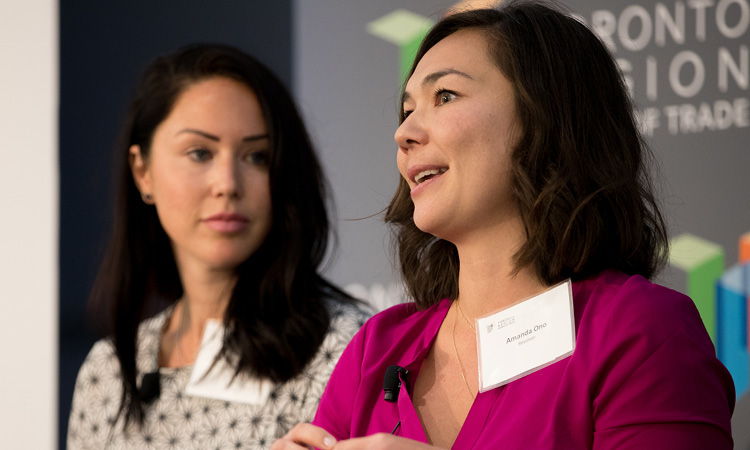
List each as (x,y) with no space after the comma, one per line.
(465,50)
(217,92)
(217,102)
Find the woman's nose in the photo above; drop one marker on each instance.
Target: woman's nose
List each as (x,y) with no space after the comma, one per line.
(411,133)
(227,177)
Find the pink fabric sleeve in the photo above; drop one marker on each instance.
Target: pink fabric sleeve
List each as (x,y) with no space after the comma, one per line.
(664,393)
(664,436)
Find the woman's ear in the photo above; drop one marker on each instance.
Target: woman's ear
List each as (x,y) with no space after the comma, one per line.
(140,170)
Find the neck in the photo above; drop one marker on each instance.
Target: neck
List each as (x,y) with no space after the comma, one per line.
(487,279)
(206,295)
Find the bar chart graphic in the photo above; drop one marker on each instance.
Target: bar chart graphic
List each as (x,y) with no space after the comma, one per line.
(721,295)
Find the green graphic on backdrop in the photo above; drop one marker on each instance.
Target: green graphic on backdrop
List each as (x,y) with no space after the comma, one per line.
(703,264)
(404,29)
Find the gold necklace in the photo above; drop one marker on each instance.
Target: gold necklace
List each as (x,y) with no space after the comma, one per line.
(458,305)
(460,364)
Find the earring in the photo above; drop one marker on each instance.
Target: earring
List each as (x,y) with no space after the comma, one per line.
(147,198)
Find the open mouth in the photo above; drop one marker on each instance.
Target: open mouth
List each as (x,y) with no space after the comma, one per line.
(425,175)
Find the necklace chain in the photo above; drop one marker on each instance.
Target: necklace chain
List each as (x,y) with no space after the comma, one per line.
(455,350)
(468,322)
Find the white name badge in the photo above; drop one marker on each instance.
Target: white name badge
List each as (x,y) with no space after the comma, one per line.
(217,382)
(525,337)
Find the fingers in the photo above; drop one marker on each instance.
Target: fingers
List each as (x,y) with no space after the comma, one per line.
(305,436)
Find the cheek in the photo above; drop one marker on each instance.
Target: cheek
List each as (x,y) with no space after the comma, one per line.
(493,133)
(176,212)
(458,126)
(173,193)
(490,161)
(401,162)
(178,196)
(262,211)
(260,195)
(460,131)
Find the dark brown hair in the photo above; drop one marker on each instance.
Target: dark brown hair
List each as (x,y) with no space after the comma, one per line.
(579,170)
(276,317)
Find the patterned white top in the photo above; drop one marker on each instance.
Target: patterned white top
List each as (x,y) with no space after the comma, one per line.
(180,421)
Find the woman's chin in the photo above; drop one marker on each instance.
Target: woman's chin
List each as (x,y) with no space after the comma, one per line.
(429,224)
(424,224)
(226,262)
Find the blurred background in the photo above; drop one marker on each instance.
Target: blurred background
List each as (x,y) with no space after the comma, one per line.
(68,69)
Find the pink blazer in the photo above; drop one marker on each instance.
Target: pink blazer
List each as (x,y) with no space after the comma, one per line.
(644,375)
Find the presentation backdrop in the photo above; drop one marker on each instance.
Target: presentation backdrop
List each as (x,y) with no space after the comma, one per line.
(687,66)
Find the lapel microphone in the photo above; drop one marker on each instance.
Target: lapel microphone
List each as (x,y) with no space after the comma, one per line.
(150,386)
(392,382)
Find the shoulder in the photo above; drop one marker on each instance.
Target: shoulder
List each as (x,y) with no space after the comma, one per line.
(346,320)
(96,397)
(634,289)
(398,333)
(99,373)
(648,356)
(102,364)
(151,328)
(402,318)
(633,332)
(101,357)
(347,317)
(98,389)
(631,304)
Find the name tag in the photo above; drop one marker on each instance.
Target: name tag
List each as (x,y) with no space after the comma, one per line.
(217,382)
(525,337)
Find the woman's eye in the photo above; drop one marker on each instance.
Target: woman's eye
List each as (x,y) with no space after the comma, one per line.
(260,158)
(199,154)
(405,114)
(444,96)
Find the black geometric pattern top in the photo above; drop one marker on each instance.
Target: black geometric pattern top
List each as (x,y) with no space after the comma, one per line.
(179,421)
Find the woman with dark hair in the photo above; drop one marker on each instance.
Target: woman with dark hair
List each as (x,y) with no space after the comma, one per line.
(220,224)
(527,232)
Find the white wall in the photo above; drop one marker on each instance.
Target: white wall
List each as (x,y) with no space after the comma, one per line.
(28,223)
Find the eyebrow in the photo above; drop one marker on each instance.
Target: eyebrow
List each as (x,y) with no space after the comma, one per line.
(255,137)
(434,76)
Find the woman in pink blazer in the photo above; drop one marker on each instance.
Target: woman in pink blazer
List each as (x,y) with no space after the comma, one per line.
(522,167)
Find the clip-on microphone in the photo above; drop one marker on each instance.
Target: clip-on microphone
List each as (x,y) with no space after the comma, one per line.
(392,382)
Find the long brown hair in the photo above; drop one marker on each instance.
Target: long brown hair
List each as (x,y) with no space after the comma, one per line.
(579,171)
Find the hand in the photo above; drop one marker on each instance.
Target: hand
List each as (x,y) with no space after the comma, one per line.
(381,441)
(305,436)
